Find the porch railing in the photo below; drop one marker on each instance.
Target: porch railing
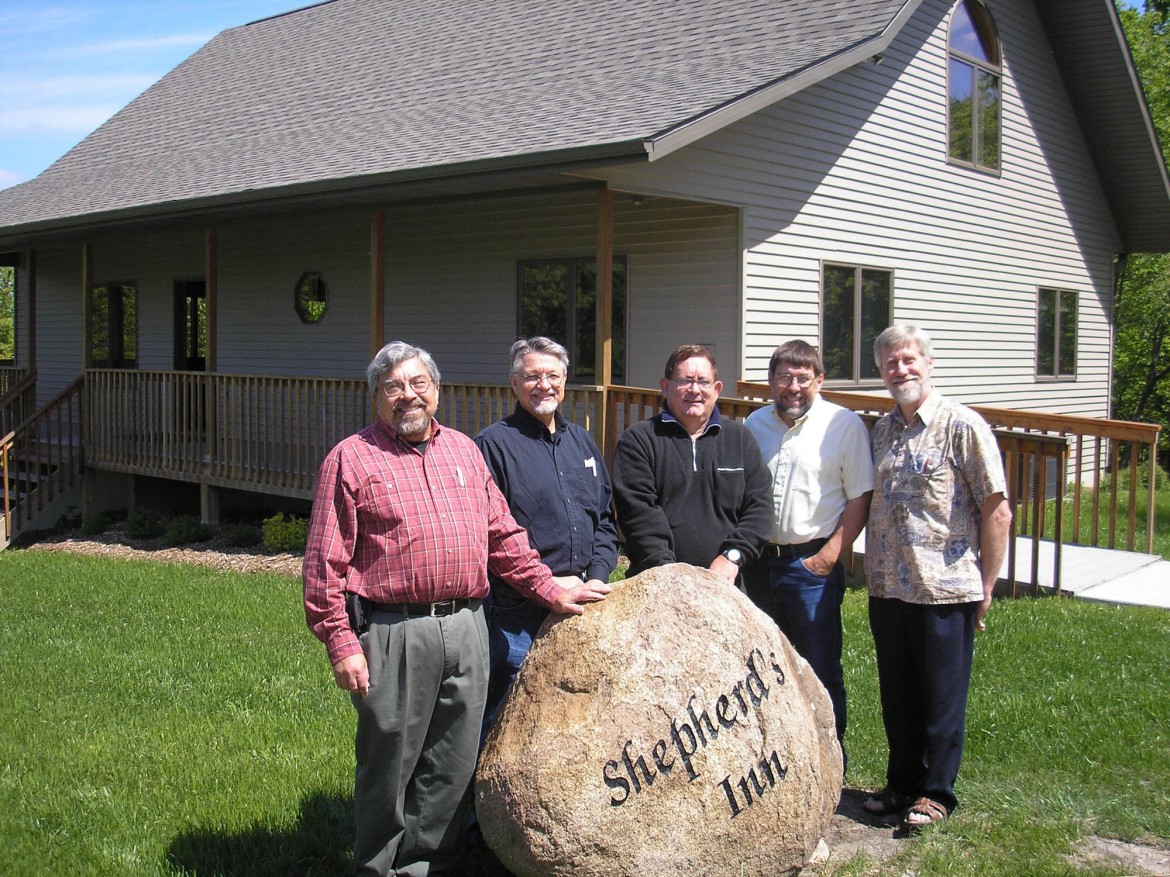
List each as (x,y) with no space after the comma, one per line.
(42,457)
(18,398)
(1065,473)
(10,376)
(258,433)
(269,434)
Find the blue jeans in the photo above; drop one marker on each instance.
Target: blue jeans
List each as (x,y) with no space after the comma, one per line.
(807,609)
(512,624)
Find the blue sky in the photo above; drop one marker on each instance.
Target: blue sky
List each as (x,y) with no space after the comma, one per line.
(66,67)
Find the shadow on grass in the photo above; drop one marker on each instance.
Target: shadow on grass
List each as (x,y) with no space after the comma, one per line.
(320,844)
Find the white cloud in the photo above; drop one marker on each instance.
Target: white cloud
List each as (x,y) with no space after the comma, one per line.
(8,178)
(145,43)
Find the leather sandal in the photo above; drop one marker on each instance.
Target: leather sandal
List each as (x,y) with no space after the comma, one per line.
(887,802)
(925,811)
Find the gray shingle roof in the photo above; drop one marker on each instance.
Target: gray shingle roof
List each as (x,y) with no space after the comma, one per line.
(352,92)
(352,88)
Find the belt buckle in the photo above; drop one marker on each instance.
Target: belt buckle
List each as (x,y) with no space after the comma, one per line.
(442,608)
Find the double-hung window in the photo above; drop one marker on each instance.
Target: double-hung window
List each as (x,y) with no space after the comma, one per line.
(1056,334)
(856,305)
(558,299)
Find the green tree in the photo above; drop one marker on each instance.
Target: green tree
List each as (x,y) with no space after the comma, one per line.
(1141,361)
(7,315)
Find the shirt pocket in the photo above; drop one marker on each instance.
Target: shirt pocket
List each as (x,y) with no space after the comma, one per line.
(379,508)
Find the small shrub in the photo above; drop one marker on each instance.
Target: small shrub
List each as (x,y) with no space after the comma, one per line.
(241,534)
(101,522)
(285,533)
(145,525)
(186,529)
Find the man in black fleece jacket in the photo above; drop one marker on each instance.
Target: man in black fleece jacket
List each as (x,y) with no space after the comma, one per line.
(690,487)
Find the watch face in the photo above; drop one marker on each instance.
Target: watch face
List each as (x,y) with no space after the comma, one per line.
(734,555)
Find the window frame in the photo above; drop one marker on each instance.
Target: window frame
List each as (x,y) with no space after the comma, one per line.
(1061,295)
(569,339)
(11,262)
(985,27)
(855,380)
(121,361)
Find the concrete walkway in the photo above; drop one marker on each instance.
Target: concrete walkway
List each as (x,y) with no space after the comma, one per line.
(1100,574)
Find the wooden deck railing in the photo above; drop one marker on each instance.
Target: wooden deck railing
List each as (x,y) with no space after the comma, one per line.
(18,401)
(1061,469)
(269,434)
(254,432)
(42,458)
(10,376)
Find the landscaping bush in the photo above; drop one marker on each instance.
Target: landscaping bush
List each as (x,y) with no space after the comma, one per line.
(241,534)
(146,524)
(187,529)
(285,533)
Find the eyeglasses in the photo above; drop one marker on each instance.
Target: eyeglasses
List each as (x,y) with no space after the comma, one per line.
(686,383)
(554,379)
(785,379)
(393,389)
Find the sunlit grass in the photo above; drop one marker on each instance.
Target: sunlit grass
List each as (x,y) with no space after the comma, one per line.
(1068,734)
(162,719)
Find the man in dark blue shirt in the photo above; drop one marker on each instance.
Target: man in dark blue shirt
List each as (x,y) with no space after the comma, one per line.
(557,487)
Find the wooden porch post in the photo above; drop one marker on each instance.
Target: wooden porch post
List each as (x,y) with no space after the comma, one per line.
(603,344)
(208,494)
(211,282)
(377,281)
(86,285)
(31,285)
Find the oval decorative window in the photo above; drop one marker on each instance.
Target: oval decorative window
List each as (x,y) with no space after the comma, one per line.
(311,297)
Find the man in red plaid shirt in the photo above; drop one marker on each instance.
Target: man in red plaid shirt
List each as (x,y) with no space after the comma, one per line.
(406,524)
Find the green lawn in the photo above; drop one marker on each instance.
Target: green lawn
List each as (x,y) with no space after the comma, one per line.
(161,719)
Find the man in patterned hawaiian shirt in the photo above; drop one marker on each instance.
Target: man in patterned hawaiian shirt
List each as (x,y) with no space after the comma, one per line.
(938,531)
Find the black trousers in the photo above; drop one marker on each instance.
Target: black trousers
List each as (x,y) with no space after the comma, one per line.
(924,657)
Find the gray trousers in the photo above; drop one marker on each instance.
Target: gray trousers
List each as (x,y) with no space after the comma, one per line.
(417,740)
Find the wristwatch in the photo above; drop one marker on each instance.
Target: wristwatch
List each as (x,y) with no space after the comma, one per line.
(734,555)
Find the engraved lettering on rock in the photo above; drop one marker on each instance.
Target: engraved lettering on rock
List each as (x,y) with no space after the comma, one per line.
(633,772)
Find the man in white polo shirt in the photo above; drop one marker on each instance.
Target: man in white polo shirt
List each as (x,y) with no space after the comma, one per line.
(822,479)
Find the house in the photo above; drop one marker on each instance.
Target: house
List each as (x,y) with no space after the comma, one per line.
(219,260)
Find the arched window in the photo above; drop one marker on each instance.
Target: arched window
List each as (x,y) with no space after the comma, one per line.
(974,78)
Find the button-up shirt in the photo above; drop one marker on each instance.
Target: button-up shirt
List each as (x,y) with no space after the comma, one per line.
(398,524)
(558,489)
(818,464)
(933,476)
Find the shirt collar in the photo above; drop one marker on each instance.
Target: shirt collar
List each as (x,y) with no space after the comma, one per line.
(712,423)
(394,437)
(531,426)
(927,411)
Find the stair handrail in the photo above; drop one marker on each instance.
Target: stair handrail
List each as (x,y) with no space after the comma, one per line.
(44,440)
(6,444)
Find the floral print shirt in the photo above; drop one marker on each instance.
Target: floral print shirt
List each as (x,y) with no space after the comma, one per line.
(932,477)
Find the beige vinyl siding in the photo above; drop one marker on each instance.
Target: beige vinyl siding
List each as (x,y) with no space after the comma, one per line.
(151,261)
(853,170)
(260,262)
(452,281)
(59,318)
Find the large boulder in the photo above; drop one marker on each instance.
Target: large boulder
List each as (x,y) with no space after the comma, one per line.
(669,730)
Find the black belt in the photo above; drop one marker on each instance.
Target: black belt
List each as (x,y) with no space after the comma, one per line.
(440,609)
(800,549)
